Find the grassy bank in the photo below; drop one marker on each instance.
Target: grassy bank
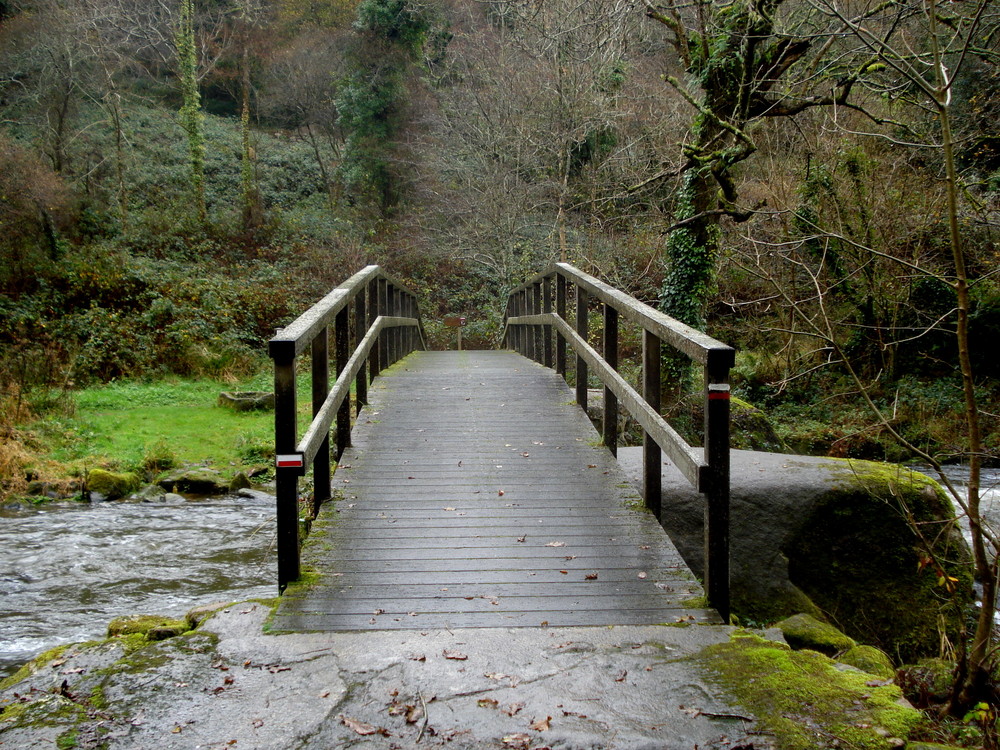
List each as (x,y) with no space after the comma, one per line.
(140,426)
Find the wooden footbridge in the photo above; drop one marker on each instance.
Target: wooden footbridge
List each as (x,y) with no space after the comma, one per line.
(474,491)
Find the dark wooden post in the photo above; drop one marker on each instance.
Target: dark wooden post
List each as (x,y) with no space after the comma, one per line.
(508,336)
(394,337)
(561,312)
(582,324)
(375,361)
(651,478)
(518,330)
(320,389)
(717,492)
(360,329)
(547,330)
(383,337)
(286,478)
(536,331)
(610,421)
(528,303)
(341,330)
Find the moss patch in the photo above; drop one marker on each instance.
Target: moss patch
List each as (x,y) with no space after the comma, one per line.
(805,631)
(869,659)
(801,697)
(112,484)
(154,627)
(866,530)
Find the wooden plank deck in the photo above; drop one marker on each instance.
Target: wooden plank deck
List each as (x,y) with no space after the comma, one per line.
(476,495)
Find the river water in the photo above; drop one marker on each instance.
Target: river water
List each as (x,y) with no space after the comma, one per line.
(67,569)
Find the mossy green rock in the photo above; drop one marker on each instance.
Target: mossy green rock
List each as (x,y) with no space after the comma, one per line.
(830,537)
(931,746)
(804,700)
(112,484)
(154,627)
(869,659)
(926,682)
(805,631)
(194,481)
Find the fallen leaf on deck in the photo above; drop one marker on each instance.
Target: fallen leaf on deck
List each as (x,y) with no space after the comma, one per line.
(621,676)
(541,725)
(455,655)
(564,572)
(417,657)
(590,577)
(591,466)
(642,574)
(570,557)
(513,708)
(487,703)
(556,544)
(496,676)
(447,509)
(360,727)
(522,538)
(518,741)
(500,493)
(414,714)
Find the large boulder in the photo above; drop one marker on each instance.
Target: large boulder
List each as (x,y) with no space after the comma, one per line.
(112,485)
(830,537)
(194,481)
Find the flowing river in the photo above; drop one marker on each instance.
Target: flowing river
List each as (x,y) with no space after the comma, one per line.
(67,569)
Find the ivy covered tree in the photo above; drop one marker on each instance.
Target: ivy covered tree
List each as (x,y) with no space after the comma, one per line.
(190,114)
(390,36)
(741,58)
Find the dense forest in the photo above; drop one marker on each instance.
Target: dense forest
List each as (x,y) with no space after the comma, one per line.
(814,183)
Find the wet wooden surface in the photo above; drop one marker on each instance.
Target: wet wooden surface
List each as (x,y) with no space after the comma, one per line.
(476,494)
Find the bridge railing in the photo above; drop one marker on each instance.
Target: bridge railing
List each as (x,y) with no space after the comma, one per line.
(386,326)
(530,325)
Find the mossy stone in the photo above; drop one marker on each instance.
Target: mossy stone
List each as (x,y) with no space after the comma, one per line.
(240,482)
(869,659)
(927,682)
(154,627)
(804,700)
(112,484)
(196,481)
(805,631)
(858,559)
(930,746)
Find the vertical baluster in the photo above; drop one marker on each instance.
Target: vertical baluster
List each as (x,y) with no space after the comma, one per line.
(286,478)
(717,492)
(547,330)
(561,312)
(374,359)
(360,329)
(610,422)
(651,478)
(320,389)
(529,331)
(340,332)
(383,310)
(536,330)
(582,328)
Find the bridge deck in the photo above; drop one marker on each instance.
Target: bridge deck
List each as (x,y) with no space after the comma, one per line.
(476,495)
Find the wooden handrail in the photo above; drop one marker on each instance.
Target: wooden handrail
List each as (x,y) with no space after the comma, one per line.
(529,325)
(387,327)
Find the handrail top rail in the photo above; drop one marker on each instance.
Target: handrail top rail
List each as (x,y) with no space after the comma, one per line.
(292,340)
(701,347)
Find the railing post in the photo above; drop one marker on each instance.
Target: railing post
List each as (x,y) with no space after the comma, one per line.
(610,421)
(320,389)
(393,332)
(651,459)
(547,330)
(375,360)
(340,332)
(582,323)
(383,337)
(717,492)
(286,478)
(561,312)
(360,329)
(536,331)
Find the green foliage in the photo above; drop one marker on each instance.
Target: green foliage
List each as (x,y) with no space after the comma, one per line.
(401,23)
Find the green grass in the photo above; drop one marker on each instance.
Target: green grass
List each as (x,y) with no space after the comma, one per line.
(117,424)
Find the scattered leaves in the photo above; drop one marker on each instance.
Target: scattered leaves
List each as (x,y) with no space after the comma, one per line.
(541,725)
(517,741)
(454,655)
(590,577)
(360,727)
